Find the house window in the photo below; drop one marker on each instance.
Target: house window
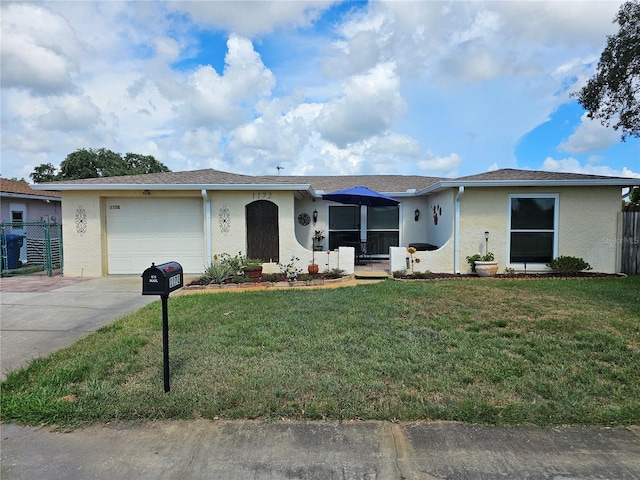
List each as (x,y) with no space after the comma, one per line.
(533,228)
(348,224)
(17,217)
(344,225)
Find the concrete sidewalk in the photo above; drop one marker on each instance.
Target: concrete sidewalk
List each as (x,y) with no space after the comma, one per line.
(42,315)
(243,450)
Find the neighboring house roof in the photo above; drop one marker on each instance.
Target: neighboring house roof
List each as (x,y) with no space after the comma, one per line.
(314,185)
(17,189)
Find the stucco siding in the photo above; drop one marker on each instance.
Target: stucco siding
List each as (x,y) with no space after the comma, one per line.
(82,230)
(228,224)
(588,226)
(488,210)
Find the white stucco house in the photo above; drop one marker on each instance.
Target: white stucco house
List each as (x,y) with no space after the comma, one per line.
(119,225)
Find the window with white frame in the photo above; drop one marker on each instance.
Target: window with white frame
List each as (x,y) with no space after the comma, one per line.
(533,228)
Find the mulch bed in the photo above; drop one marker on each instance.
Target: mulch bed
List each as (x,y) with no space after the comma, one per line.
(551,275)
(202,281)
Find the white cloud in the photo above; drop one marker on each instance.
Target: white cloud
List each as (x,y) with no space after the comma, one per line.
(375,91)
(39,50)
(440,166)
(589,136)
(70,113)
(571,165)
(212,99)
(370,105)
(252,17)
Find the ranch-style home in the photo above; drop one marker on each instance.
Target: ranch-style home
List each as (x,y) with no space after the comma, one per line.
(120,225)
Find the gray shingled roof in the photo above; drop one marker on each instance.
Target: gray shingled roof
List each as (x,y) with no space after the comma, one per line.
(381,183)
(386,183)
(507,174)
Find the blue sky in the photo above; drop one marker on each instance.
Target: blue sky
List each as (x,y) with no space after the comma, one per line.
(320,88)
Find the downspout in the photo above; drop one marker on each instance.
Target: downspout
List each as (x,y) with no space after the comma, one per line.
(456,232)
(207,223)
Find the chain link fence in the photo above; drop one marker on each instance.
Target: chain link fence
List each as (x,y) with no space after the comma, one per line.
(31,248)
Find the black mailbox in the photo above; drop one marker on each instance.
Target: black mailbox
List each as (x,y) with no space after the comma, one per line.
(162,279)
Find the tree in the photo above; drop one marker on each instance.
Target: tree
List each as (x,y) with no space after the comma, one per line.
(138,164)
(635,196)
(43,173)
(613,94)
(93,163)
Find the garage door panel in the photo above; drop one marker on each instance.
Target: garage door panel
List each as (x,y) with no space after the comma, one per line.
(141,231)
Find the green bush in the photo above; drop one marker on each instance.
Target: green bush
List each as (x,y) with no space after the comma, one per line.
(568,265)
(217,271)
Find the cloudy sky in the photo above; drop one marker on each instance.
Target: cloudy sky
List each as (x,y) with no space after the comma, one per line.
(403,87)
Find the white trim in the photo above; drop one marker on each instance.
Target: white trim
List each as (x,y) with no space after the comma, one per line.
(587,182)
(456,232)
(207,228)
(556,212)
(175,186)
(24,196)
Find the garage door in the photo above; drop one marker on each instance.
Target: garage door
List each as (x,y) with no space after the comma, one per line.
(141,231)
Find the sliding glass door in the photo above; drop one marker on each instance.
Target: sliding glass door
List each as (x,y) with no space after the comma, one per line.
(378,226)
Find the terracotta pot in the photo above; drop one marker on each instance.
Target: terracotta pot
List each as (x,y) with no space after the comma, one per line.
(313,269)
(253,272)
(486,269)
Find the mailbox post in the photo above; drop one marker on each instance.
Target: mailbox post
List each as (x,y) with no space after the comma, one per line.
(162,280)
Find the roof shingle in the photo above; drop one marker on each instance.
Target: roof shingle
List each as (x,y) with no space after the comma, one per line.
(22,188)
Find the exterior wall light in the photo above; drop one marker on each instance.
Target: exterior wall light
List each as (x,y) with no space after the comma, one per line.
(146,192)
(416,215)
(486,242)
(315,216)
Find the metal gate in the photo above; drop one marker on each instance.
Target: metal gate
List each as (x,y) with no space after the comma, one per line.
(31,248)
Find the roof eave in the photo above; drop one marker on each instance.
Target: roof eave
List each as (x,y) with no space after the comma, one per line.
(176,186)
(26,196)
(603,182)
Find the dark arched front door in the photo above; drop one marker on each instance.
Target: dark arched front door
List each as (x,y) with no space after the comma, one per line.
(262,231)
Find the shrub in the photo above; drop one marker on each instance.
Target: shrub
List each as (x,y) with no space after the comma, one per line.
(333,273)
(290,270)
(217,271)
(568,265)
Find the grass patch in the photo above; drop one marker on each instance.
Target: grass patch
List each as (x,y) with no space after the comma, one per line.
(550,352)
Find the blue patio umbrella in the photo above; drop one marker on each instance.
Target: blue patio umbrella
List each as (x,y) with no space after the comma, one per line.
(360,196)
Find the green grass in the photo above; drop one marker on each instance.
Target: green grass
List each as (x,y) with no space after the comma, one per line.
(505,352)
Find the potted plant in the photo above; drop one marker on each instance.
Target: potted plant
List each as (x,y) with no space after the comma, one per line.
(318,236)
(252,268)
(484,265)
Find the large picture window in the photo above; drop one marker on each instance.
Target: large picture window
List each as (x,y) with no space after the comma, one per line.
(533,228)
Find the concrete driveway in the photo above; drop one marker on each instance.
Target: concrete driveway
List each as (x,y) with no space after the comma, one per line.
(39,315)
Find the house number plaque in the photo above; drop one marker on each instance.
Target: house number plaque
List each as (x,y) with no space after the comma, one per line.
(261,195)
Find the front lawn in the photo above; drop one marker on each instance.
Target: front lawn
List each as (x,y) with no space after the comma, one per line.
(545,352)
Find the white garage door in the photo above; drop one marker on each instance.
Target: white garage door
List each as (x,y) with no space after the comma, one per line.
(141,231)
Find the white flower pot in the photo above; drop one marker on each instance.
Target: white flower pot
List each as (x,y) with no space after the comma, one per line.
(486,269)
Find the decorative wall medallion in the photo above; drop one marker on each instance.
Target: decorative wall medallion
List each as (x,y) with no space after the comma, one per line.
(81,220)
(437,212)
(304,219)
(224,219)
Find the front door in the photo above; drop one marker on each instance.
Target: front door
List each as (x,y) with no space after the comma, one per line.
(262,231)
